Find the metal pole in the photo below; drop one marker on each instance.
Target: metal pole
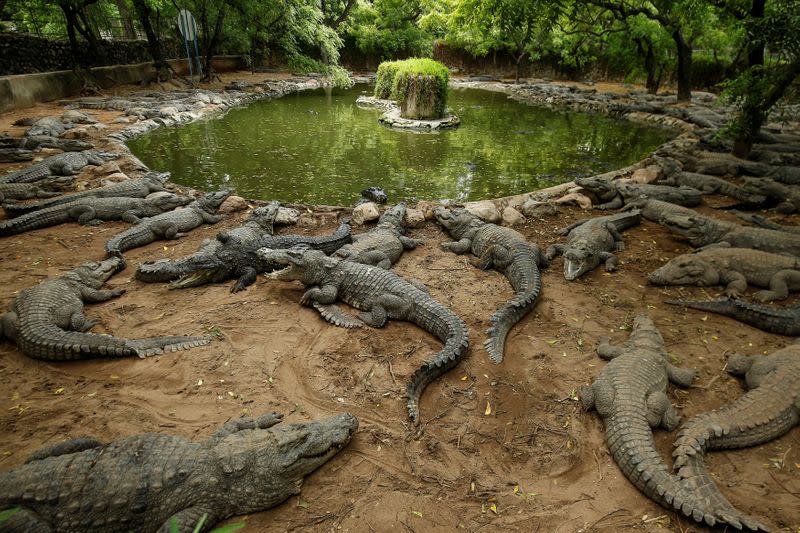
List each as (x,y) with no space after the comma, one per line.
(197,55)
(189,57)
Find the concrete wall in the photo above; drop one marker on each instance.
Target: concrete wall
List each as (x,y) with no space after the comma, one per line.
(25,90)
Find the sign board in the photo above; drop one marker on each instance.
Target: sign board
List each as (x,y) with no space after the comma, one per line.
(187,25)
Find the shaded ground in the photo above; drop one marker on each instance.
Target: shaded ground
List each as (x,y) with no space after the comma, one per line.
(501,447)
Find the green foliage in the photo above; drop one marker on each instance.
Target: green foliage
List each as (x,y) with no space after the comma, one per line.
(425,78)
(335,75)
(8,513)
(384,79)
(389,29)
(173,526)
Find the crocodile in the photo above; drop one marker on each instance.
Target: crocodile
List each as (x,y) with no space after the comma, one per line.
(93,211)
(767,411)
(380,295)
(135,188)
(38,142)
(259,223)
(615,194)
(763,222)
(236,259)
(66,164)
(655,210)
(630,395)
(592,241)
(780,320)
(169,225)
(40,189)
(158,482)
(735,268)
(705,231)
(47,321)
(373,194)
(382,245)
(508,252)
(15,155)
(786,198)
(713,185)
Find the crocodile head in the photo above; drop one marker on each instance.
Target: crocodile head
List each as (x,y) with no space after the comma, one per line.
(761,186)
(686,270)
(159,178)
(168,202)
(393,218)
(455,221)
(578,260)
(94,274)
(375,194)
(299,263)
(696,229)
(602,188)
(265,216)
(739,364)
(211,201)
(270,464)
(201,269)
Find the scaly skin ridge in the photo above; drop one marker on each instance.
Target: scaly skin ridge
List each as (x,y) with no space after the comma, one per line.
(62,164)
(783,320)
(703,231)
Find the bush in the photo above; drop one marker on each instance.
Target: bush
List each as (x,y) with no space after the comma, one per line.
(420,87)
(384,79)
(335,75)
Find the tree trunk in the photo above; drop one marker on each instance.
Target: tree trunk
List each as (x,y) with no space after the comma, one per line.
(755,53)
(212,44)
(143,12)
(519,67)
(645,48)
(125,18)
(684,67)
(71,20)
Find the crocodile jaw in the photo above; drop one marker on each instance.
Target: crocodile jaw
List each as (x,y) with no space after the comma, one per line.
(572,269)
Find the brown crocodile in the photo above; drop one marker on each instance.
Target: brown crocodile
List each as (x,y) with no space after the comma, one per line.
(734,267)
(630,395)
(768,410)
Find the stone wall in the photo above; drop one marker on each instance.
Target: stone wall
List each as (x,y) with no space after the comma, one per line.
(24,54)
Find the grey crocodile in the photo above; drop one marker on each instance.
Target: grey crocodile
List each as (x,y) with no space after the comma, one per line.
(655,210)
(735,268)
(382,245)
(38,142)
(630,395)
(40,189)
(786,198)
(615,194)
(50,126)
(508,252)
(135,188)
(767,411)
(93,211)
(780,320)
(47,321)
(380,295)
(259,223)
(705,231)
(66,164)
(236,259)
(157,482)
(713,185)
(592,241)
(373,194)
(762,222)
(169,225)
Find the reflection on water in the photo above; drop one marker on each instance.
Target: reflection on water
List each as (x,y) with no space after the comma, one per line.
(322,149)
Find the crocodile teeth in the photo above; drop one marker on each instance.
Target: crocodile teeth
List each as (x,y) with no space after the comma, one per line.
(571,270)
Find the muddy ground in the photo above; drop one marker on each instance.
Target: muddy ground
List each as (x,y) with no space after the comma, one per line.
(500,447)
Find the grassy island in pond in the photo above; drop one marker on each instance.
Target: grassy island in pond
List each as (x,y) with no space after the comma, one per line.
(418,85)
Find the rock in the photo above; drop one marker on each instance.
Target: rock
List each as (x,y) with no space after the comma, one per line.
(581,199)
(106,168)
(365,213)
(233,204)
(485,210)
(427,208)
(537,209)
(114,178)
(647,174)
(121,120)
(287,216)
(415,218)
(512,217)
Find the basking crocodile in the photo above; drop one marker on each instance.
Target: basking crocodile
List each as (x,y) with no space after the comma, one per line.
(38,142)
(170,225)
(767,411)
(713,185)
(630,395)
(93,211)
(655,210)
(786,198)
(65,164)
(157,482)
(40,189)
(591,241)
(47,321)
(763,222)
(508,252)
(135,188)
(735,268)
(704,231)
(780,320)
(615,194)
(373,194)
(236,259)
(259,223)
(382,245)
(380,295)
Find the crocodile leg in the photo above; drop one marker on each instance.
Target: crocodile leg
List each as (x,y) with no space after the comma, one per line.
(409,243)
(79,322)
(616,203)
(385,306)
(93,296)
(608,351)
(65,448)
(780,285)
(82,213)
(554,250)
(619,244)
(376,258)
(336,316)
(459,247)
(232,426)
(247,277)
(736,283)
(611,260)
(25,521)
(682,377)
(660,412)
(324,295)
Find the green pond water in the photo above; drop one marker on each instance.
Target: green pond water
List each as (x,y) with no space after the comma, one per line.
(320,148)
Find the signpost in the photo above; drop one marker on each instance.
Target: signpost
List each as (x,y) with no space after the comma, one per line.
(188,27)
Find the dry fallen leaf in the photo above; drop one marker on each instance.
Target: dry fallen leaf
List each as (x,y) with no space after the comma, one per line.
(488,409)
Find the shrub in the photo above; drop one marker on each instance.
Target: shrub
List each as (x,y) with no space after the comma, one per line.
(335,75)
(384,79)
(420,87)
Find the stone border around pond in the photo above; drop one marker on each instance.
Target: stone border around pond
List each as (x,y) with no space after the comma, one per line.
(391,116)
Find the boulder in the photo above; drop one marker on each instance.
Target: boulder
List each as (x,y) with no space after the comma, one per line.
(233,204)
(647,174)
(366,212)
(427,208)
(287,216)
(512,217)
(538,209)
(485,210)
(415,218)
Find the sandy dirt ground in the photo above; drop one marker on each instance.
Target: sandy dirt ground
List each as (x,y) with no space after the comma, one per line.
(500,447)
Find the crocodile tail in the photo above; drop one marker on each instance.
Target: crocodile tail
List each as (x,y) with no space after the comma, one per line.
(455,349)
(160,345)
(49,342)
(138,235)
(31,221)
(507,316)
(783,321)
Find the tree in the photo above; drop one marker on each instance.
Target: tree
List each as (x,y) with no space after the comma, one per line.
(76,20)
(144,13)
